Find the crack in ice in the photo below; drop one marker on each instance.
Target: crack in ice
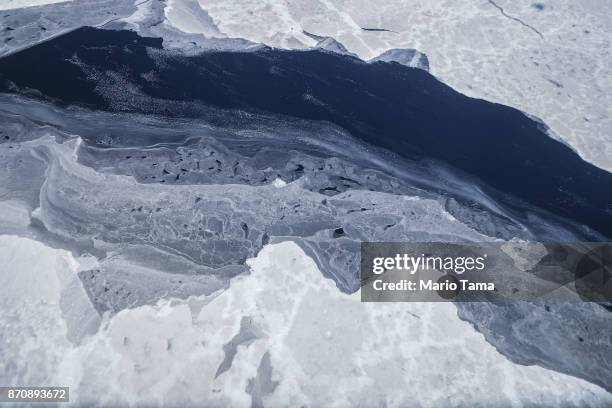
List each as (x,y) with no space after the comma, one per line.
(518,20)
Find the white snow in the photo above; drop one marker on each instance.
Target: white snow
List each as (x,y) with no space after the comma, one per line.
(263,21)
(141,13)
(45,310)
(279,183)
(14,4)
(326,348)
(187,16)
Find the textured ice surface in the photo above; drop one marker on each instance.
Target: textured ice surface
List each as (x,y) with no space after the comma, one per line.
(524,332)
(330,44)
(158,235)
(384,104)
(212,228)
(173,210)
(315,346)
(23,27)
(14,4)
(189,17)
(408,57)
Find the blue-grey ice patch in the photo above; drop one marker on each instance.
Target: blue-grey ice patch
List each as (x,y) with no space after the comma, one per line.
(21,28)
(262,384)
(24,27)
(247,334)
(204,204)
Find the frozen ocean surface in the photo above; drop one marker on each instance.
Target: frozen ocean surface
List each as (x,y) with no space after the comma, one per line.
(310,344)
(182,204)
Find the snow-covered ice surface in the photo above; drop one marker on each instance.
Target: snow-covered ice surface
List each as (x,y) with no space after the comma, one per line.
(550,59)
(297,341)
(14,4)
(189,17)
